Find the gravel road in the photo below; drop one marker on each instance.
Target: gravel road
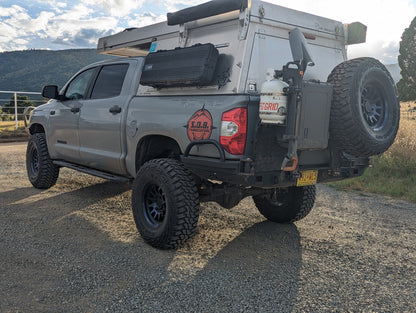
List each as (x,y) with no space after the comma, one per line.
(74,248)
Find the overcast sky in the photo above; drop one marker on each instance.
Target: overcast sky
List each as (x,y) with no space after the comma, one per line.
(49,24)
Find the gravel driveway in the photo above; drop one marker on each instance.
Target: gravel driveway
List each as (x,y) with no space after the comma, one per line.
(74,248)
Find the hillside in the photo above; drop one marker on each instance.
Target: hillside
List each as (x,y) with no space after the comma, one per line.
(394,70)
(30,70)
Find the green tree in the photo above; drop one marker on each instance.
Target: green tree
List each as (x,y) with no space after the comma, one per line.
(407,62)
(22,103)
(2,116)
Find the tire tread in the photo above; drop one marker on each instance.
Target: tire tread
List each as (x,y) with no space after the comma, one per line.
(298,205)
(185,194)
(48,172)
(346,133)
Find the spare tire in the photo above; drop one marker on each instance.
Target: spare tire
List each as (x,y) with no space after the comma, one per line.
(365,110)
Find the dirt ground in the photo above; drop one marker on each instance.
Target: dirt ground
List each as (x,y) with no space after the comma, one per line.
(75,248)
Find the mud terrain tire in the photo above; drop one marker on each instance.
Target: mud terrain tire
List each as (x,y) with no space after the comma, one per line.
(41,171)
(165,203)
(365,110)
(286,205)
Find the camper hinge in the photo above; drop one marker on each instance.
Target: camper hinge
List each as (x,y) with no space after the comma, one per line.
(183,35)
(244,22)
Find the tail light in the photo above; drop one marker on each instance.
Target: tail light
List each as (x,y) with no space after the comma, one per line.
(234,131)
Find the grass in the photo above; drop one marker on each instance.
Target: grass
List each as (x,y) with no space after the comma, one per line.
(394,172)
(8,130)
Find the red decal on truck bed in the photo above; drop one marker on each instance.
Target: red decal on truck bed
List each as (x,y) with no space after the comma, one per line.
(200,125)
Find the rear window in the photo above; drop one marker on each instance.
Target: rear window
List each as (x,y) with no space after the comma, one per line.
(109,81)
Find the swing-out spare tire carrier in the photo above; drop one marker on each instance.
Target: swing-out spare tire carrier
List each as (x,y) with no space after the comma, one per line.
(365,109)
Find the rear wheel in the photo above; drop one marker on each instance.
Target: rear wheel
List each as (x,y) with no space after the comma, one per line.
(165,203)
(365,110)
(286,205)
(41,171)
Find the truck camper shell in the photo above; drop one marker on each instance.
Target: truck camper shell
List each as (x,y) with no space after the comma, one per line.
(251,36)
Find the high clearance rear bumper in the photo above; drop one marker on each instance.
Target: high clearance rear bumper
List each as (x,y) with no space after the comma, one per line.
(243,172)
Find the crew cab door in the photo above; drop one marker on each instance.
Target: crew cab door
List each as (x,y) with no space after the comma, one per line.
(63,120)
(100,123)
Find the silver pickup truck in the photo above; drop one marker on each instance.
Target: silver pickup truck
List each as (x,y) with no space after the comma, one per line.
(212,107)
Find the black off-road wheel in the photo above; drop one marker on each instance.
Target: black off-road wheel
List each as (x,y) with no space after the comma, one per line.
(365,110)
(41,171)
(286,205)
(165,203)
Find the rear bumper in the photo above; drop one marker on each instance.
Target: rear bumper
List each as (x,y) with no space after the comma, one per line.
(242,172)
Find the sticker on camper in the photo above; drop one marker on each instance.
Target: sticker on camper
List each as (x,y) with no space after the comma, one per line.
(200,125)
(153,47)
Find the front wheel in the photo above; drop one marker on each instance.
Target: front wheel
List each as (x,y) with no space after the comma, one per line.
(41,171)
(286,205)
(165,203)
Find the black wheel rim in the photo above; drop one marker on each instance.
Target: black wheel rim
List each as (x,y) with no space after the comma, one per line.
(154,205)
(34,161)
(374,106)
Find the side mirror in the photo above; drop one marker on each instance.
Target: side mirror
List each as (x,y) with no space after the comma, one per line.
(299,48)
(50,92)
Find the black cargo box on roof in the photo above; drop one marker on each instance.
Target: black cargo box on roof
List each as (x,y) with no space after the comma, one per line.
(193,66)
(204,10)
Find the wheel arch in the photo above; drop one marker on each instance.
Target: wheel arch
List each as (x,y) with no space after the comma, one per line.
(155,147)
(36,128)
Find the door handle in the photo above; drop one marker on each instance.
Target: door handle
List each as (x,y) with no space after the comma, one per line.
(115,109)
(75,110)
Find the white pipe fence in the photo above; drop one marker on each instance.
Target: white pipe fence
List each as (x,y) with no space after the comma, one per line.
(38,101)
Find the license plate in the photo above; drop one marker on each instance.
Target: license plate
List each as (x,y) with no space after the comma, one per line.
(308,178)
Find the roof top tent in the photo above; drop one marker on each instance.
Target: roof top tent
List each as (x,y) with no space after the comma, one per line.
(251,37)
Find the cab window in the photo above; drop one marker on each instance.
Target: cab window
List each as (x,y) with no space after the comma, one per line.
(109,81)
(78,86)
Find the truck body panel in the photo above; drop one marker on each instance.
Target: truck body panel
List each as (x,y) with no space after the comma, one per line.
(84,131)
(170,117)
